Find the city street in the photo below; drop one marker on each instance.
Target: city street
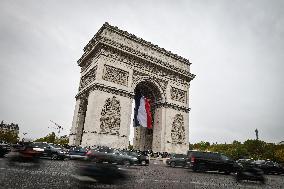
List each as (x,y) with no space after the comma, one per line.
(59,174)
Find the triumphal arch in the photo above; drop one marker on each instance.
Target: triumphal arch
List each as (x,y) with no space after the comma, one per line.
(115,67)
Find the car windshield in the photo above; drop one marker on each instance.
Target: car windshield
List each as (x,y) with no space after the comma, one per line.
(225,158)
(54,146)
(132,154)
(178,155)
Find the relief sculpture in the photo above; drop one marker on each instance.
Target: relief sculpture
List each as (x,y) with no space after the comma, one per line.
(110,117)
(115,75)
(178,131)
(178,95)
(88,78)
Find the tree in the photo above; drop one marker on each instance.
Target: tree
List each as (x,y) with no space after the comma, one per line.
(9,137)
(201,146)
(255,148)
(279,155)
(50,138)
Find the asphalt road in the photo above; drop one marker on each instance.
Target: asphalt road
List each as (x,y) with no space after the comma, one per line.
(59,174)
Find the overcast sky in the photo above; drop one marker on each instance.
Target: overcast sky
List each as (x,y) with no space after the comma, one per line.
(236,49)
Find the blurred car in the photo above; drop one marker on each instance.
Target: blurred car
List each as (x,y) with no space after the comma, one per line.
(78,152)
(105,154)
(4,149)
(50,151)
(142,158)
(248,171)
(243,162)
(210,161)
(177,160)
(23,153)
(269,167)
(99,172)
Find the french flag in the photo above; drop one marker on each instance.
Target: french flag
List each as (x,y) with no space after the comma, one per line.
(142,112)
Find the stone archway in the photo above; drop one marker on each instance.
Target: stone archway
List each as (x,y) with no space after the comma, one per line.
(143,137)
(114,66)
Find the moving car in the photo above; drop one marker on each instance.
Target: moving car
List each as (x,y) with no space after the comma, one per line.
(177,160)
(248,171)
(78,152)
(142,158)
(269,167)
(4,149)
(23,153)
(105,154)
(50,151)
(210,161)
(99,173)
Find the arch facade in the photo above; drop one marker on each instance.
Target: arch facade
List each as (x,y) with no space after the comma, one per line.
(116,63)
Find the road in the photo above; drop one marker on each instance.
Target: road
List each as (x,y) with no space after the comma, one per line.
(58,174)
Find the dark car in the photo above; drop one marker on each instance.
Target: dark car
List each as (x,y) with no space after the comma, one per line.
(4,149)
(78,152)
(143,159)
(248,171)
(177,160)
(50,151)
(110,155)
(99,173)
(210,161)
(269,167)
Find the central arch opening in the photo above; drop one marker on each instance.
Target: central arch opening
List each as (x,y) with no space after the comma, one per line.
(143,137)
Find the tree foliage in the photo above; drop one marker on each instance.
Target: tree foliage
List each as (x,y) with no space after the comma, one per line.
(255,149)
(52,138)
(9,137)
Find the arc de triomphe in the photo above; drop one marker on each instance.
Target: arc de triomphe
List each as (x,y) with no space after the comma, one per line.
(115,67)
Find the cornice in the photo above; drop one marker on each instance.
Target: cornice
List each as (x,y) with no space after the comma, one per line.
(132,54)
(88,48)
(139,55)
(146,43)
(105,88)
(173,106)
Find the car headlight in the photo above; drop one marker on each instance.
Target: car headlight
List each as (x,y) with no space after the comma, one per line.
(134,158)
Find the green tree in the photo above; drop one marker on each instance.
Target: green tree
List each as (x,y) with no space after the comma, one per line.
(279,155)
(255,148)
(50,138)
(201,146)
(9,137)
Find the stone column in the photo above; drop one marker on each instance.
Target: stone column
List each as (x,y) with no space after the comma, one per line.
(78,122)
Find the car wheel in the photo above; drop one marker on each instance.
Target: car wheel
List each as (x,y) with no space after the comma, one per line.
(196,168)
(143,162)
(173,164)
(262,181)
(54,156)
(126,163)
(227,172)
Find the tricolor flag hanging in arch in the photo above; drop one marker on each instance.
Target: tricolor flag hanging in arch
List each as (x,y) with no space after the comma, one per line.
(142,112)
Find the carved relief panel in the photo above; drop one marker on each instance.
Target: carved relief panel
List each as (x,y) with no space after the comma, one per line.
(178,131)
(88,78)
(110,117)
(178,95)
(115,75)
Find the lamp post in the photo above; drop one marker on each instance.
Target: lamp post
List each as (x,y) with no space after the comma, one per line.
(24,136)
